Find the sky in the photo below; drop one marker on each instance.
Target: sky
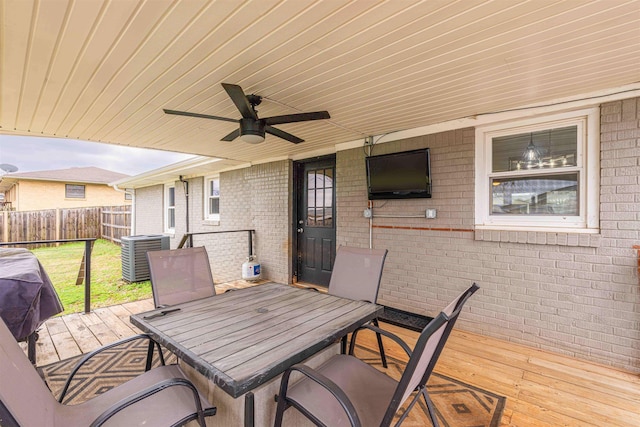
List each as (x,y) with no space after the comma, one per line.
(30,154)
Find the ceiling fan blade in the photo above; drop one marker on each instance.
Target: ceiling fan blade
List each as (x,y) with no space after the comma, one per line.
(282,134)
(200,116)
(238,97)
(300,117)
(233,135)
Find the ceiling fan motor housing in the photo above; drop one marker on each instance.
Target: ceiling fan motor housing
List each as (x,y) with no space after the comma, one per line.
(251,130)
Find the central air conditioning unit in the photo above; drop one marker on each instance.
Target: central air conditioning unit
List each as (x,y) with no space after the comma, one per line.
(135,267)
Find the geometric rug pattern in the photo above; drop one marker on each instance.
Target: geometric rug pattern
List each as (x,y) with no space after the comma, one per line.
(101,373)
(457,404)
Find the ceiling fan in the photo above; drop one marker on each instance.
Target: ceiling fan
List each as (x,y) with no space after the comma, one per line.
(252,129)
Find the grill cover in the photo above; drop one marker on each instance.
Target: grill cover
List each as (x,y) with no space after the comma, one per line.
(27,296)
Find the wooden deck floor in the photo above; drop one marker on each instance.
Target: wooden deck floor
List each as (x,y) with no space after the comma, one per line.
(542,389)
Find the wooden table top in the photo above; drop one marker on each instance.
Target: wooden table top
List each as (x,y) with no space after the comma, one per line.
(244,338)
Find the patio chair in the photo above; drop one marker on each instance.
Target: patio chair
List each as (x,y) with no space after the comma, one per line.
(346,391)
(356,275)
(161,396)
(180,275)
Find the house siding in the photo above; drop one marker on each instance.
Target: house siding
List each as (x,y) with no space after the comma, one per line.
(257,198)
(39,195)
(149,210)
(568,293)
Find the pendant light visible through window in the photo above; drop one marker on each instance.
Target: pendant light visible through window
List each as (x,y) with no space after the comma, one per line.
(531,154)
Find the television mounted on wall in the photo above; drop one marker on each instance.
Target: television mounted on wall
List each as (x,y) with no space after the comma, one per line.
(403,175)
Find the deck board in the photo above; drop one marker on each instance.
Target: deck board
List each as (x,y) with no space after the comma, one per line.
(542,388)
(81,333)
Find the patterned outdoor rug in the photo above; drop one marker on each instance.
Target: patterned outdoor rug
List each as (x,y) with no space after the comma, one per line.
(458,404)
(101,373)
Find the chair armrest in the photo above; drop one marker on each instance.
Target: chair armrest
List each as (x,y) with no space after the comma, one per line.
(327,384)
(149,391)
(377,330)
(88,356)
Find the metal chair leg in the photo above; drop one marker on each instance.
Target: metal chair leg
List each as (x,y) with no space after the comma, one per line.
(380,346)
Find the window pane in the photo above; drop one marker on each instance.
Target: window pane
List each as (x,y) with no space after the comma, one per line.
(74,191)
(320,198)
(214,206)
(553,148)
(172,196)
(329,174)
(171,218)
(538,195)
(214,188)
(311,180)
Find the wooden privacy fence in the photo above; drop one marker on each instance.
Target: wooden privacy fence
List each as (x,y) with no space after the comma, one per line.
(64,224)
(116,222)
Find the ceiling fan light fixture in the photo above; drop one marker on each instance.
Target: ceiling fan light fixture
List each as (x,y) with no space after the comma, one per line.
(251,131)
(252,138)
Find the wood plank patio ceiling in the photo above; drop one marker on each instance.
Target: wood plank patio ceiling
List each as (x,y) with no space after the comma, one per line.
(103,70)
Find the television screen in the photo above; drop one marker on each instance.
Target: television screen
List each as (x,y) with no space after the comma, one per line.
(404,175)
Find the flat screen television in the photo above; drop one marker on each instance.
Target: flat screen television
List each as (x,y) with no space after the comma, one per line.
(404,175)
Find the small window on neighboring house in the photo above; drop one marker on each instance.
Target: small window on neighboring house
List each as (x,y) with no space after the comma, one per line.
(74,191)
(212,198)
(539,174)
(169,208)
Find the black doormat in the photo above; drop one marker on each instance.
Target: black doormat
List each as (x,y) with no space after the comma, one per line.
(412,321)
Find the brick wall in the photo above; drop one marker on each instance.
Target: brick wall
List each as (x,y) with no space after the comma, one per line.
(257,198)
(148,210)
(560,293)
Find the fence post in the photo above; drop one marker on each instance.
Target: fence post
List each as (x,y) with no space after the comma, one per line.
(58,225)
(87,276)
(5,226)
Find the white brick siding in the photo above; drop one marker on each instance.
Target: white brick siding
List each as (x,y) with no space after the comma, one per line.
(252,198)
(564,292)
(149,210)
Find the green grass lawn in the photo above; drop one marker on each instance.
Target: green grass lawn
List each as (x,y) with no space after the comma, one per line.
(107,287)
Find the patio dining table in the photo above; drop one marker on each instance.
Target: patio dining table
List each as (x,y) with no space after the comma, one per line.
(236,345)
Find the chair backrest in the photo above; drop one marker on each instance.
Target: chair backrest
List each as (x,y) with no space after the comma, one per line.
(427,351)
(180,275)
(357,273)
(22,392)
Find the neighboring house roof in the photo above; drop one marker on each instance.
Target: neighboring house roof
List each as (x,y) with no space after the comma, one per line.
(85,175)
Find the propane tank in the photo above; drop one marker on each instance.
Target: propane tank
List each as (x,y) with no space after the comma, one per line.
(251,269)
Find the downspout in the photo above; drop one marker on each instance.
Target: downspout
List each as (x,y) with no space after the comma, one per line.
(133,206)
(185,185)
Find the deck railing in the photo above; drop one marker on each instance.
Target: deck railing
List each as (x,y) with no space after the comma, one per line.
(187,238)
(88,244)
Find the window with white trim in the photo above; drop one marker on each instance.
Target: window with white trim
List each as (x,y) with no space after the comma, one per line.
(539,174)
(212,198)
(169,208)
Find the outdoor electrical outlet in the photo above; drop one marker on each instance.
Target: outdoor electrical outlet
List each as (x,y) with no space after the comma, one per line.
(431,213)
(367,213)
